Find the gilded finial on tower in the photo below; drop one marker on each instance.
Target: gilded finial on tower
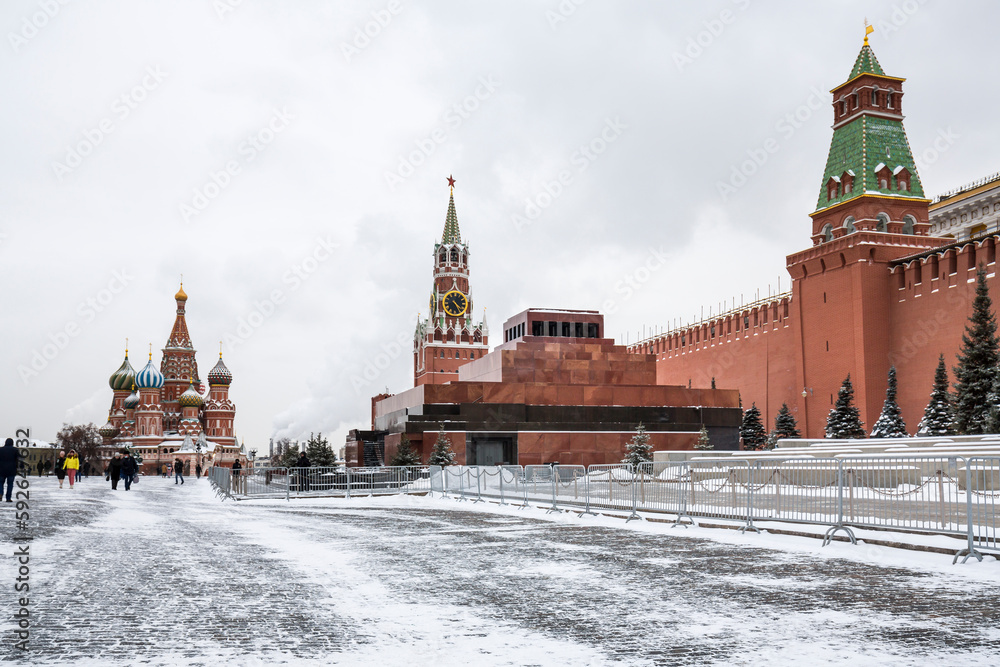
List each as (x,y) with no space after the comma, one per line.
(869,29)
(126,348)
(181,295)
(150,351)
(220,349)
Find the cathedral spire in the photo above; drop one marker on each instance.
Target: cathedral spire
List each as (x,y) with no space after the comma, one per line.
(451,233)
(179,336)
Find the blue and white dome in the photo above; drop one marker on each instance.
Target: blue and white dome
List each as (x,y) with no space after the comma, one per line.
(149,377)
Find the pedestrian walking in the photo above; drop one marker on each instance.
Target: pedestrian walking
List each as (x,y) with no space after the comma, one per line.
(72,466)
(85,469)
(61,468)
(178,471)
(114,470)
(165,470)
(303,465)
(129,469)
(197,471)
(237,476)
(40,466)
(9,459)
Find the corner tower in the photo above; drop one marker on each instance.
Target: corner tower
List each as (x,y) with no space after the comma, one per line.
(448,338)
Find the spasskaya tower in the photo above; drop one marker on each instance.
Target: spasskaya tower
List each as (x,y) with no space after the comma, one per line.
(448,338)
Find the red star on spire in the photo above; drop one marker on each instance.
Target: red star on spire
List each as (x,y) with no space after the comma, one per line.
(451,181)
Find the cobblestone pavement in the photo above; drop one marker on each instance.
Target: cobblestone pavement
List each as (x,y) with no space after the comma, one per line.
(166,574)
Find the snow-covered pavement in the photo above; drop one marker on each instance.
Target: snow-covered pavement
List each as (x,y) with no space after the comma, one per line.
(167,574)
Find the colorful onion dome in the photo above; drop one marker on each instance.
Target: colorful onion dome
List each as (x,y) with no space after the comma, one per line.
(123,377)
(131,402)
(149,377)
(109,430)
(220,373)
(190,398)
(181,296)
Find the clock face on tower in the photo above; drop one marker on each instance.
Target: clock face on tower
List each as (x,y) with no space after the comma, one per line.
(455,303)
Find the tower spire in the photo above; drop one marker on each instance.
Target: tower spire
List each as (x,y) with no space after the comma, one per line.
(451,233)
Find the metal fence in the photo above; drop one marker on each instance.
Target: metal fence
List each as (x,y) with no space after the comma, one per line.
(941,495)
(319,481)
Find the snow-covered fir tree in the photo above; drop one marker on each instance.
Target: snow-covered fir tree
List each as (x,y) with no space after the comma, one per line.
(938,415)
(441,454)
(844,421)
(752,429)
(704,443)
(638,450)
(405,454)
(976,372)
(890,423)
(319,452)
(785,425)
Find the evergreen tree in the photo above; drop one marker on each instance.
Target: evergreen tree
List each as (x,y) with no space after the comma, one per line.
(290,456)
(890,423)
(638,450)
(405,454)
(844,421)
(752,429)
(976,372)
(319,451)
(785,425)
(703,442)
(938,416)
(441,454)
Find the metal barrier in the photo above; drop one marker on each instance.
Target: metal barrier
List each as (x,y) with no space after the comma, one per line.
(940,494)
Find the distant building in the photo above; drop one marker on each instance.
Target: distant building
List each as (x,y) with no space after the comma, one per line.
(166,413)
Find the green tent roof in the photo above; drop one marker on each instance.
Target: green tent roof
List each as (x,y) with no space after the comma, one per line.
(858,148)
(866,63)
(451,233)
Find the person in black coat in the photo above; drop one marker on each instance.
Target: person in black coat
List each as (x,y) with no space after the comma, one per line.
(9,460)
(178,471)
(61,468)
(129,468)
(115,470)
(303,464)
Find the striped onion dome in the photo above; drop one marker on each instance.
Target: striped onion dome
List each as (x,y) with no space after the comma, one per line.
(109,430)
(190,398)
(220,374)
(123,377)
(149,377)
(131,402)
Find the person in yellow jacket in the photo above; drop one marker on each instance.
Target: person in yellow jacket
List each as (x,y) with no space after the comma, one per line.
(72,465)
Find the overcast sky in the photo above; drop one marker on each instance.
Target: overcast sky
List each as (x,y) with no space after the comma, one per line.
(289,159)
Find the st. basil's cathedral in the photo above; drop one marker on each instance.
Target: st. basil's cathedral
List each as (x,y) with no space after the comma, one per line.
(164,413)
